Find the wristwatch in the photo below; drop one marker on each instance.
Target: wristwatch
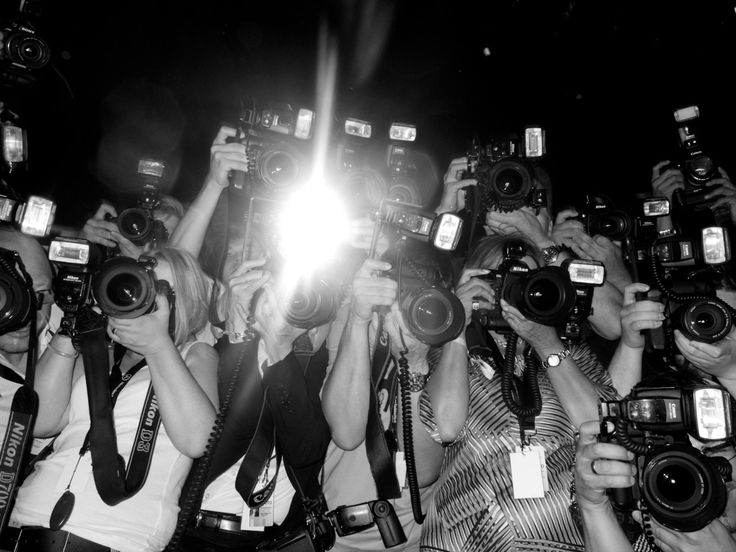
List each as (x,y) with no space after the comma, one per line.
(555,359)
(550,253)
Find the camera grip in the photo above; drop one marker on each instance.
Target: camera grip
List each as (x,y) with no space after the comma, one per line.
(388,524)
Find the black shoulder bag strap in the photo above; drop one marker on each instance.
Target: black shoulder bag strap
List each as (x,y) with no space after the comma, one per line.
(114,483)
(16,446)
(380,455)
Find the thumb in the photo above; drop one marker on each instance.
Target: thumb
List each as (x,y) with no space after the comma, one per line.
(565,214)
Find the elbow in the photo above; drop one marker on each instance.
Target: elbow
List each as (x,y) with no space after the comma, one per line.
(348,440)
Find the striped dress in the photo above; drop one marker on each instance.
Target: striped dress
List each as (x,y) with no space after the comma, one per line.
(473,509)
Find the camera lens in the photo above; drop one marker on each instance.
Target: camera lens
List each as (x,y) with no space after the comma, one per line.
(704,320)
(15,301)
(682,487)
(434,315)
(365,188)
(700,170)
(404,190)
(311,304)
(279,167)
(509,182)
(124,288)
(544,295)
(136,225)
(615,225)
(28,50)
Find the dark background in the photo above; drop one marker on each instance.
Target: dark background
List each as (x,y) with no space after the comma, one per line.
(157,78)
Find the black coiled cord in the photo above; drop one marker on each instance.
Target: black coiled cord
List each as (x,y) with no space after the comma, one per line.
(530,381)
(193,498)
(408,430)
(625,440)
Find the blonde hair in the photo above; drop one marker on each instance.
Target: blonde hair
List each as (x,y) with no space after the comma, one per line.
(192,288)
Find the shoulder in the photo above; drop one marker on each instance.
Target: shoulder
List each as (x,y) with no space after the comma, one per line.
(199,352)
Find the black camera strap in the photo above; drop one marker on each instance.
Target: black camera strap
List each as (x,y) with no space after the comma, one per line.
(16,445)
(377,445)
(114,482)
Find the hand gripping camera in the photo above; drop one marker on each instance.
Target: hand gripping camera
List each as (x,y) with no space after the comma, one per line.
(507,179)
(559,296)
(274,137)
(681,487)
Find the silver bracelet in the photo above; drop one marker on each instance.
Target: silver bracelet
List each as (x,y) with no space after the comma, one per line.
(62,353)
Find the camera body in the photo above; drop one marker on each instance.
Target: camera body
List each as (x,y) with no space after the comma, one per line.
(600,217)
(138,224)
(351,519)
(682,488)
(504,168)
(559,296)
(275,137)
(76,261)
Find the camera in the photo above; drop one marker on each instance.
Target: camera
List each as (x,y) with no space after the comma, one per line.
(694,161)
(600,217)
(33,216)
(559,296)
(402,166)
(274,137)
(351,519)
(138,223)
(23,47)
(17,297)
(126,288)
(504,168)
(431,311)
(681,488)
(442,231)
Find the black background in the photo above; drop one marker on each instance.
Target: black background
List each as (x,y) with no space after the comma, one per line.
(136,78)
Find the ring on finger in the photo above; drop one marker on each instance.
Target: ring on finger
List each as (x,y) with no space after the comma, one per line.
(592,467)
(475,305)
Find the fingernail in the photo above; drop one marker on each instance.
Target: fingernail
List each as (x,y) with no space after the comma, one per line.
(629,455)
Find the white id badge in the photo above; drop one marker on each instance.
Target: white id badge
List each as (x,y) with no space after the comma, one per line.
(526,473)
(401,469)
(543,465)
(257,519)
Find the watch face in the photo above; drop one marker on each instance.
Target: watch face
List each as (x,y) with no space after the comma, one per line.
(554,360)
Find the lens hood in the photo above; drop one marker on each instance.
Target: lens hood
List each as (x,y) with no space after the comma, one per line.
(124,288)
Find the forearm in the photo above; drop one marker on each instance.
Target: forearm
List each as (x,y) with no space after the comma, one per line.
(190,232)
(186,411)
(53,384)
(577,394)
(625,368)
(448,390)
(601,529)
(428,453)
(346,393)
(605,319)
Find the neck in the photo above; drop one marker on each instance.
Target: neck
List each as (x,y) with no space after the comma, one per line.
(16,360)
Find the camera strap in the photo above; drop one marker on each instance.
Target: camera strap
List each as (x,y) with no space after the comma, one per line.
(114,482)
(378,448)
(16,445)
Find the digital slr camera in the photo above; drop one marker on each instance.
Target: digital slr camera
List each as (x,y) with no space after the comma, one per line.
(431,311)
(17,297)
(275,137)
(600,217)
(120,286)
(682,488)
(504,168)
(138,223)
(559,296)
(370,170)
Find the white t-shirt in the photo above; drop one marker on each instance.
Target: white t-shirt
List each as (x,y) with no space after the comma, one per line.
(144,522)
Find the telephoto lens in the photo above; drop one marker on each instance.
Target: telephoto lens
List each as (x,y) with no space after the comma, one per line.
(125,288)
(434,315)
(704,320)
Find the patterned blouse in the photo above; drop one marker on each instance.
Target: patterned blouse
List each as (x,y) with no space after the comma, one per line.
(473,509)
